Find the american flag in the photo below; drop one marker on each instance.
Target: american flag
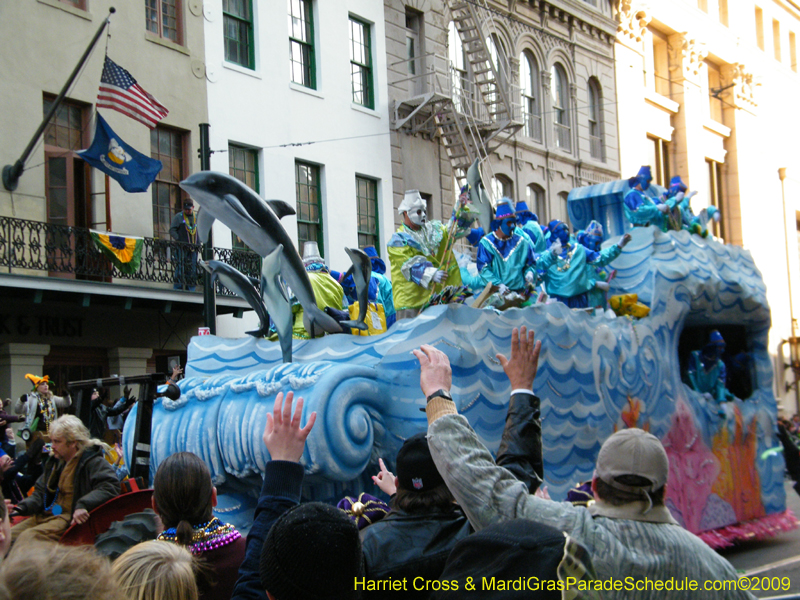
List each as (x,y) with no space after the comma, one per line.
(119,90)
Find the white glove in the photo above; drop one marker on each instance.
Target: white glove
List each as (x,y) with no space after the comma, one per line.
(690,194)
(602,285)
(623,241)
(439,276)
(662,207)
(502,289)
(555,247)
(678,197)
(529,277)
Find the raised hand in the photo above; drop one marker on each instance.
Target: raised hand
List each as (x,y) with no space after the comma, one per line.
(385,479)
(435,372)
(283,436)
(524,362)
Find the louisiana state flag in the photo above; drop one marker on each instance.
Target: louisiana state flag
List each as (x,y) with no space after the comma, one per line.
(130,168)
(124,251)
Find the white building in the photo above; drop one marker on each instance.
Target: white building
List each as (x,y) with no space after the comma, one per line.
(297,96)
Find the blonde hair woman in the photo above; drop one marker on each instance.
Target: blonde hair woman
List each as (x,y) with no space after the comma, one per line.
(156,571)
(40,406)
(76,480)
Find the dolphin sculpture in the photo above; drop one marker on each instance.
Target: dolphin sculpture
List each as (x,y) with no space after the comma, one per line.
(239,284)
(361,271)
(277,301)
(478,196)
(257,222)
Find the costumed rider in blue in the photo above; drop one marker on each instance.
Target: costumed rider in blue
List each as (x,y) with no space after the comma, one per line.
(707,374)
(639,208)
(380,286)
(570,270)
(529,223)
(591,238)
(505,256)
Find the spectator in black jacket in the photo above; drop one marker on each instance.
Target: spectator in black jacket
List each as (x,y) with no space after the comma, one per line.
(424,525)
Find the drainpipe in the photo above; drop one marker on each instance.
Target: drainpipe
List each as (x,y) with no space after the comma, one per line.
(782,175)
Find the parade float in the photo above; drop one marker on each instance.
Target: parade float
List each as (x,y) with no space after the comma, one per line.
(598,372)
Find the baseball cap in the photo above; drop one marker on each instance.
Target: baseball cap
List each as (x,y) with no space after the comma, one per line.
(633,452)
(416,470)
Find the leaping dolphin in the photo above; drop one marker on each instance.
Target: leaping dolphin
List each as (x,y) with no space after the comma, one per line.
(257,222)
(361,271)
(239,284)
(478,196)
(274,296)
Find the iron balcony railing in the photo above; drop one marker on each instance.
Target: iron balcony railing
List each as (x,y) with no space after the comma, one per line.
(533,126)
(596,147)
(563,137)
(36,248)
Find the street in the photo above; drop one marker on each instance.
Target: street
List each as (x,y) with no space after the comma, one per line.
(775,557)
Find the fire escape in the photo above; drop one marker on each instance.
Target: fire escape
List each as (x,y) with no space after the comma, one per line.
(474,109)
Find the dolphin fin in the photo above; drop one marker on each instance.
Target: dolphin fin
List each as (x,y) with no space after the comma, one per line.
(237,206)
(204,222)
(262,331)
(281,208)
(354,325)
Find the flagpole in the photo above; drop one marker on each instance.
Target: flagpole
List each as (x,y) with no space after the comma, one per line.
(12,173)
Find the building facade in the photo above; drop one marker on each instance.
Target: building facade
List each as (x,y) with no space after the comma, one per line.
(525,87)
(66,312)
(298,106)
(706,90)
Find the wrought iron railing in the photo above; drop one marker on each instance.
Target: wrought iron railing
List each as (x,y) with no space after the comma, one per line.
(563,137)
(36,248)
(596,147)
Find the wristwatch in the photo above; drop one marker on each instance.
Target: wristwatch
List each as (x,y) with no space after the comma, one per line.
(440,394)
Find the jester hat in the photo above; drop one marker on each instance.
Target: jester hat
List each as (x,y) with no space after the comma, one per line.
(643,177)
(37,380)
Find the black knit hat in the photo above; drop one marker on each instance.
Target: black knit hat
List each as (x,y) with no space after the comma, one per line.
(416,471)
(523,552)
(312,552)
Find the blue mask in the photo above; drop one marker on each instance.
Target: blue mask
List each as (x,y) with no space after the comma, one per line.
(507,226)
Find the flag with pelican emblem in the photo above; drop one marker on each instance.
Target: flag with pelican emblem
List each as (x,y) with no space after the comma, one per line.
(124,251)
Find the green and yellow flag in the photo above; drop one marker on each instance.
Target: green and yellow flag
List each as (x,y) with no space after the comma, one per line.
(124,251)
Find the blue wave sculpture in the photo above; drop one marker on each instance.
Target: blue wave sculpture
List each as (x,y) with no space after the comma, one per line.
(366,389)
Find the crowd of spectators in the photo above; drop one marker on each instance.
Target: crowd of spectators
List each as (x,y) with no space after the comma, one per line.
(456,517)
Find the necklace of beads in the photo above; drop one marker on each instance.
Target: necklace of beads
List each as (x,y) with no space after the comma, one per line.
(564,264)
(191,229)
(206,536)
(48,408)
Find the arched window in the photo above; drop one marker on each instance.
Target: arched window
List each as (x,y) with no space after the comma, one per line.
(535,199)
(560,100)
(529,86)
(563,213)
(501,187)
(596,142)
(498,55)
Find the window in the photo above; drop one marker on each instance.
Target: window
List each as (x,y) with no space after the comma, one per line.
(166,145)
(162,18)
(529,85)
(563,213)
(534,198)
(361,63)
(367,198)
(237,24)
(558,93)
(776,39)
(596,146)
(658,159)
(243,164)
(501,187)
(656,62)
(301,43)
(715,102)
(309,205)
(65,174)
(498,58)
(458,69)
(715,194)
(759,28)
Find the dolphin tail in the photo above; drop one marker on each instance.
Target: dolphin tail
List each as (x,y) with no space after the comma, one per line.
(316,321)
(262,331)
(355,325)
(204,222)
